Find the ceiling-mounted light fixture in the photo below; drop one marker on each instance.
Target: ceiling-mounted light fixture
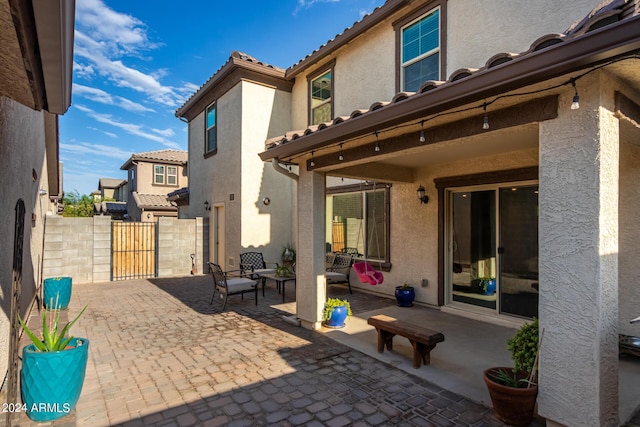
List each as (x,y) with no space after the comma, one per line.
(312,163)
(377,148)
(422,138)
(341,156)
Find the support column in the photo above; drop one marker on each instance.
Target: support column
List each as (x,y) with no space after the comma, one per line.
(310,270)
(578,244)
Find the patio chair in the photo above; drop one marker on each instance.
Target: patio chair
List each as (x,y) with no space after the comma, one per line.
(228,284)
(252,264)
(338,270)
(352,251)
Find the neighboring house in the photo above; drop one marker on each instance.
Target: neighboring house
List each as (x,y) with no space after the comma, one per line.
(250,205)
(469,161)
(112,198)
(151,176)
(36,62)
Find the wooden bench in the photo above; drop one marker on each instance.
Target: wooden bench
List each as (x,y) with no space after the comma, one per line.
(422,340)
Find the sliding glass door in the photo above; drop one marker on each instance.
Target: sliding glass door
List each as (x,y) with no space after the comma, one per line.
(492,246)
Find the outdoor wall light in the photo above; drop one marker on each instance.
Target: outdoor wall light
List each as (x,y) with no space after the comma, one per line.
(206,206)
(42,192)
(266,201)
(422,196)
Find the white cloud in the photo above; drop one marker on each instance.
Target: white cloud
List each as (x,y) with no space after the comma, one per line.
(96,150)
(111,134)
(104,39)
(98,95)
(164,132)
(131,128)
(306,4)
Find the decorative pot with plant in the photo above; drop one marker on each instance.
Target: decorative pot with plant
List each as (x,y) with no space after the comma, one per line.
(405,295)
(288,255)
(485,285)
(283,271)
(53,368)
(57,289)
(514,390)
(335,312)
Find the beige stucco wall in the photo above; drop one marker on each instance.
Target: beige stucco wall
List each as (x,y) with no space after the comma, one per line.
(144,179)
(22,150)
(478,29)
(365,69)
(266,228)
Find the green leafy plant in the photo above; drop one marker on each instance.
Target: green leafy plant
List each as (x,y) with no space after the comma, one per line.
(406,286)
(288,253)
(481,283)
(53,338)
(509,379)
(331,303)
(524,346)
(283,271)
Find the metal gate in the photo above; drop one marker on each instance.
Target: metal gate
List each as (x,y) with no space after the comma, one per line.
(133,250)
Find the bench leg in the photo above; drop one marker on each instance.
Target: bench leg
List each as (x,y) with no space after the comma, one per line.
(385,339)
(421,353)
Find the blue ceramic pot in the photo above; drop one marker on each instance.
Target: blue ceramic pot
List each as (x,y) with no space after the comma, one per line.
(338,316)
(51,382)
(491,287)
(59,287)
(405,296)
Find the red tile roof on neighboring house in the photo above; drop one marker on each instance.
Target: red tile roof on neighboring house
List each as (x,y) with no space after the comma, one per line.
(179,157)
(549,56)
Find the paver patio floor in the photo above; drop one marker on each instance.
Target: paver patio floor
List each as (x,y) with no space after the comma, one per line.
(160,355)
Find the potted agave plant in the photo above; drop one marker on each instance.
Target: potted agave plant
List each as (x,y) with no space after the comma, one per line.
(53,368)
(335,312)
(514,390)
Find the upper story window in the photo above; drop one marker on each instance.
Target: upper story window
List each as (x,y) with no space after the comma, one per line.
(211,136)
(420,52)
(165,175)
(158,174)
(321,96)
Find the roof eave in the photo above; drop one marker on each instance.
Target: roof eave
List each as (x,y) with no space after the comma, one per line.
(589,49)
(55,28)
(229,67)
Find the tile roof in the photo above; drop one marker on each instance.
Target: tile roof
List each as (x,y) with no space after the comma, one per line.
(152,201)
(110,182)
(165,156)
(111,207)
(607,13)
(236,60)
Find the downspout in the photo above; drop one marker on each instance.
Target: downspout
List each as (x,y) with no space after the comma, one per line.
(283,171)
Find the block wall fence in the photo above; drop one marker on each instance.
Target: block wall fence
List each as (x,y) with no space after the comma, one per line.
(81,248)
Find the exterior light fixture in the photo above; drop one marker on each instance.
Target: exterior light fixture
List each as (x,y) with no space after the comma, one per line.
(485,122)
(422,196)
(312,163)
(377,148)
(422,138)
(340,156)
(576,98)
(206,206)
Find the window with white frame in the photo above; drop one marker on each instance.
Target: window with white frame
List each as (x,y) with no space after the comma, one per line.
(158,174)
(420,51)
(321,98)
(172,175)
(211,137)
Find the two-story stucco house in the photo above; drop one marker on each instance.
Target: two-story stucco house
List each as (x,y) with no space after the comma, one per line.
(36,61)
(250,205)
(493,139)
(151,176)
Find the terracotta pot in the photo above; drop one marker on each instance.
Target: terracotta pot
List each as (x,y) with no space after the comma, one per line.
(511,405)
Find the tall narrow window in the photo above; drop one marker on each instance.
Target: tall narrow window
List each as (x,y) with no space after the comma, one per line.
(158,174)
(172,175)
(322,98)
(420,51)
(211,141)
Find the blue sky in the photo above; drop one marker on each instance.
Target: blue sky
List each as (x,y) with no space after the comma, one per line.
(136,62)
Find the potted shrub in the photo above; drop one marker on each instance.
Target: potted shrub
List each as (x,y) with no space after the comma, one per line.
(57,289)
(288,255)
(53,368)
(405,295)
(335,312)
(514,390)
(485,285)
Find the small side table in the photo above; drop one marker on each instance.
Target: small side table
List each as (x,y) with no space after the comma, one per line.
(280,280)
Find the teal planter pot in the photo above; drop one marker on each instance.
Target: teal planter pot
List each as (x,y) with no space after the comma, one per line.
(338,316)
(60,288)
(51,382)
